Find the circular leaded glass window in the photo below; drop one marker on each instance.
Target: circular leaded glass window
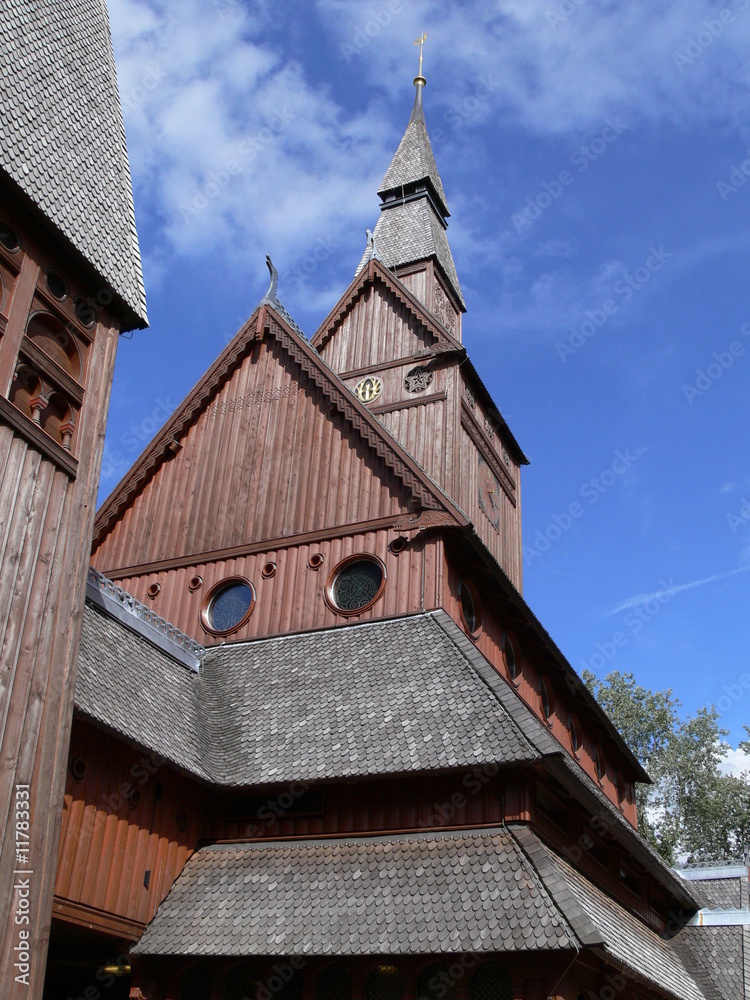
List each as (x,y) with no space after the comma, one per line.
(228,605)
(355,584)
(510,657)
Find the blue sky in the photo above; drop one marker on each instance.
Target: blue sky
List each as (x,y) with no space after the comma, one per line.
(596,160)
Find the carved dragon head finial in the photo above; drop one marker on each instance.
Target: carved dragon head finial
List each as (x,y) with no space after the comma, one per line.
(271,293)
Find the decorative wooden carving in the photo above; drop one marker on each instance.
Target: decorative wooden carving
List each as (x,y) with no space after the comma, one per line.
(425,519)
(442,309)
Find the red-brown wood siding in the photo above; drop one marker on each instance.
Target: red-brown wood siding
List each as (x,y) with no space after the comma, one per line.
(293,599)
(267,459)
(532,665)
(46,515)
(107,843)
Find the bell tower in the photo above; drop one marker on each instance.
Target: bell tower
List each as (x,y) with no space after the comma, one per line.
(70,283)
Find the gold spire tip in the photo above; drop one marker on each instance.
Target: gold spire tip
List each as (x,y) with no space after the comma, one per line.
(420,42)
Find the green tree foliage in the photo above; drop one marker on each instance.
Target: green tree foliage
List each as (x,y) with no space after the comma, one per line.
(692,813)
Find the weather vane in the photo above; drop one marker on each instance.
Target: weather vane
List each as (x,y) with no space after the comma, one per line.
(420,42)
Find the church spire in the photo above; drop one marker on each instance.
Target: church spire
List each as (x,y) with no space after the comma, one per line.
(414,209)
(419,82)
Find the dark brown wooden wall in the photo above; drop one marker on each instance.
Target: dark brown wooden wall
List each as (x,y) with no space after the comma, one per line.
(448,427)
(267,459)
(47,500)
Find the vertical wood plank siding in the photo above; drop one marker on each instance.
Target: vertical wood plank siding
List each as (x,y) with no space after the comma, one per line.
(279,463)
(293,599)
(110,838)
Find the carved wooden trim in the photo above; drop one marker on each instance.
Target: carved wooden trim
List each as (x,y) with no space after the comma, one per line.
(405,404)
(315,369)
(37,438)
(100,920)
(477,435)
(146,467)
(265,545)
(44,363)
(356,414)
(375,271)
(425,519)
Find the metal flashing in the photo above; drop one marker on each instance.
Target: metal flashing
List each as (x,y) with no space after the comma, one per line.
(141,619)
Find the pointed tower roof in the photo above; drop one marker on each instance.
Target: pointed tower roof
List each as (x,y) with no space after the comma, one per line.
(414,207)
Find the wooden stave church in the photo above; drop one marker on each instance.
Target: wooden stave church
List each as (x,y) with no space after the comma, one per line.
(439,806)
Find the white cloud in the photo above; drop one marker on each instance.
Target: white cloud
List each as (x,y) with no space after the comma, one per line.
(671,590)
(735,762)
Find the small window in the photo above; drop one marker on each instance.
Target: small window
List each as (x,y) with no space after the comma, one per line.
(9,237)
(599,763)
(545,699)
(511,664)
(56,285)
(355,584)
(384,983)
(491,981)
(470,607)
(228,606)
(85,312)
(437,983)
(629,879)
(575,739)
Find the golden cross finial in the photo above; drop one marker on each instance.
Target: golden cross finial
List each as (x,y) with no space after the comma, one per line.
(420,42)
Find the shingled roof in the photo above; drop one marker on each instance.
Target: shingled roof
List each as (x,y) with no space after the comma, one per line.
(497,890)
(62,140)
(413,216)
(415,894)
(303,707)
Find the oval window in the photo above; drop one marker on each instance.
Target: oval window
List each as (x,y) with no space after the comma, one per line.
(510,657)
(228,606)
(355,584)
(470,607)
(575,741)
(545,699)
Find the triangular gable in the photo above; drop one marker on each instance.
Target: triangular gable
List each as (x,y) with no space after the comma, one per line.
(373,274)
(423,493)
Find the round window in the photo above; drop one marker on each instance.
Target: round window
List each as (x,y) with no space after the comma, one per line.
(470,608)
(355,584)
(510,657)
(9,237)
(56,285)
(599,763)
(228,606)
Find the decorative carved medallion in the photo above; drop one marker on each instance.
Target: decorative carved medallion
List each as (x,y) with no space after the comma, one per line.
(418,379)
(368,389)
(470,398)
(506,457)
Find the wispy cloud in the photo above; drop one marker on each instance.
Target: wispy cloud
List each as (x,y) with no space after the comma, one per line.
(671,590)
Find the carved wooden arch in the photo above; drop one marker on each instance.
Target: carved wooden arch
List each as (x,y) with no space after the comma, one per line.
(51,335)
